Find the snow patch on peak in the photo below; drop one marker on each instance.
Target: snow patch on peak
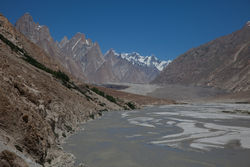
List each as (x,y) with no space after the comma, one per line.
(76,43)
(38,27)
(136,58)
(111,51)
(248,23)
(87,42)
(160,66)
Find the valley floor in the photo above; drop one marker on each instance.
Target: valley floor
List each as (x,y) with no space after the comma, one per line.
(171,135)
(186,94)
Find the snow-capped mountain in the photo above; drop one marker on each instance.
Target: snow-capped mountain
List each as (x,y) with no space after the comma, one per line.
(148,61)
(84,59)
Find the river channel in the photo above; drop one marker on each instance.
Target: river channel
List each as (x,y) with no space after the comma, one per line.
(193,135)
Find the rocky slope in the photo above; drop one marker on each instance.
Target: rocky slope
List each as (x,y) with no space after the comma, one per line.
(85,61)
(39,104)
(222,63)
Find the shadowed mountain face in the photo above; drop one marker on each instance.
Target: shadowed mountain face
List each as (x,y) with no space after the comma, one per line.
(85,61)
(223,63)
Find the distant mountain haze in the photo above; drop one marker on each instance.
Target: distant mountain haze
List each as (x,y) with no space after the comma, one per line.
(84,59)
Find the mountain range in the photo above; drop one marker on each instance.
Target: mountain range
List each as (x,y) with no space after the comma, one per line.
(85,61)
(222,63)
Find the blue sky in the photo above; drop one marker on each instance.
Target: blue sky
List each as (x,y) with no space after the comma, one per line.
(163,28)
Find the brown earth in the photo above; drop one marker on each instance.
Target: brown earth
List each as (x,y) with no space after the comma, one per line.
(10,159)
(238,97)
(185,94)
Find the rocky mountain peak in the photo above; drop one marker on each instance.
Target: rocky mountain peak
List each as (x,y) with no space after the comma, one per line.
(32,30)
(151,58)
(82,57)
(79,35)
(110,52)
(63,42)
(81,38)
(110,55)
(136,59)
(248,23)
(27,17)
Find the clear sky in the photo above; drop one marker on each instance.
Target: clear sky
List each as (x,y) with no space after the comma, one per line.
(163,28)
